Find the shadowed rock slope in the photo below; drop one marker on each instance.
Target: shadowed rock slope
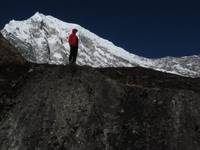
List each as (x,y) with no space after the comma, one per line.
(80,108)
(9,54)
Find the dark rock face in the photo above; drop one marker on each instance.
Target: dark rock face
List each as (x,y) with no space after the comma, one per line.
(9,54)
(81,108)
(150,78)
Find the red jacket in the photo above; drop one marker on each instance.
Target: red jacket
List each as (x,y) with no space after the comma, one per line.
(73,40)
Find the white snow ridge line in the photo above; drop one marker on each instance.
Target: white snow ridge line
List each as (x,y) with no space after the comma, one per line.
(47,40)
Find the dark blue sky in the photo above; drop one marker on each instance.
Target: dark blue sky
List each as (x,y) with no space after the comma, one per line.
(146,28)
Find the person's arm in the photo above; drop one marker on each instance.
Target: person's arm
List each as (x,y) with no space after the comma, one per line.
(69,39)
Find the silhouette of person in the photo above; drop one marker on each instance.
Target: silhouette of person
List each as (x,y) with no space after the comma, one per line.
(73,43)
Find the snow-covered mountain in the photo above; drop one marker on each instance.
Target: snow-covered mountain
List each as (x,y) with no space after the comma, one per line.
(43,39)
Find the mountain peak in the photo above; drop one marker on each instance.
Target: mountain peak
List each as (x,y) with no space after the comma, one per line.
(38,16)
(44,38)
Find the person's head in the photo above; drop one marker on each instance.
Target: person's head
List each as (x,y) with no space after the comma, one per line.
(74,31)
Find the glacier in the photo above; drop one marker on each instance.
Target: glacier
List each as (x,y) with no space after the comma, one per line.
(43,39)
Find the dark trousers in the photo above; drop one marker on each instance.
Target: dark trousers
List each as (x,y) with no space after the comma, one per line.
(73,54)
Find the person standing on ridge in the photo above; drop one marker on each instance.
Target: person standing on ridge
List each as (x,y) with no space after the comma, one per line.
(73,43)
